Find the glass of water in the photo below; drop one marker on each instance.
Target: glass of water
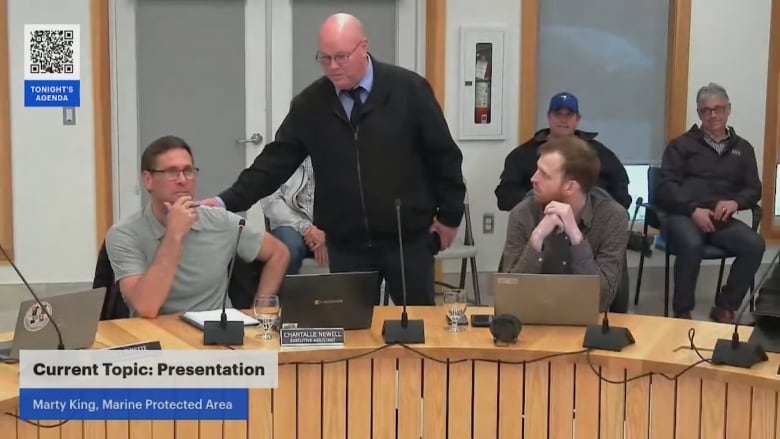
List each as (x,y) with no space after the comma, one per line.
(267,312)
(455,305)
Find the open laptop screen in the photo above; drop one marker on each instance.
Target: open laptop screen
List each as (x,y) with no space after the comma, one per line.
(334,300)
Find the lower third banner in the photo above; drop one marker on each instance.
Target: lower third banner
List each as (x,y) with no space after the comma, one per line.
(133,404)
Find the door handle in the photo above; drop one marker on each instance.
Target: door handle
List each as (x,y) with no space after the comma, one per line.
(256,138)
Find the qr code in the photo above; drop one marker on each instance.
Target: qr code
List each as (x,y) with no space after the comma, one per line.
(52,51)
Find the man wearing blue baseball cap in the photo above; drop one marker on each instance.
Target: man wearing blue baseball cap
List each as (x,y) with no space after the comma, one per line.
(563,101)
(563,117)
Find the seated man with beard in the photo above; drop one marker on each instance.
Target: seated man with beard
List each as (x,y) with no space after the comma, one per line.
(568,219)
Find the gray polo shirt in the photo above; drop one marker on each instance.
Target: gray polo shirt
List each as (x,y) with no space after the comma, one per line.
(202,274)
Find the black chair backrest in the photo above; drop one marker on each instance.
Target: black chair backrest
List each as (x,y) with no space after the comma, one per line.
(243,284)
(114,307)
(651,216)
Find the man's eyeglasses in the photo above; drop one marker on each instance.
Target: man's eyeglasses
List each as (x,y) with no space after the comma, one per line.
(340,58)
(706,111)
(173,174)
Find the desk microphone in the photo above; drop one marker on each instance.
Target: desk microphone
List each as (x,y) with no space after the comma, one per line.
(737,353)
(607,337)
(639,202)
(224,332)
(60,345)
(403,331)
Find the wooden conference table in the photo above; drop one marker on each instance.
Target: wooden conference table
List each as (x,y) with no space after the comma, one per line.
(396,392)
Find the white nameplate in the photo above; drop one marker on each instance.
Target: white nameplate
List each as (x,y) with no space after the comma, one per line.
(311,337)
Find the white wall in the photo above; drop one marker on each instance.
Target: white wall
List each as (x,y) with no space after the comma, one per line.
(483,161)
(730,46)
(53,165)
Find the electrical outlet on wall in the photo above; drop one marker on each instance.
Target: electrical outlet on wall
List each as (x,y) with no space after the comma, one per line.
(69,116)
(488,223)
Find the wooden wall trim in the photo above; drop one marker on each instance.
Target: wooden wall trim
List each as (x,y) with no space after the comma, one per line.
(101,91)
(6,177)
(436,46)
(529,48)
(678,58)
(769,229)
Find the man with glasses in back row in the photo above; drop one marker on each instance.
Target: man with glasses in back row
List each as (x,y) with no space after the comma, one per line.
(173,255)
(375,134)
(708,174)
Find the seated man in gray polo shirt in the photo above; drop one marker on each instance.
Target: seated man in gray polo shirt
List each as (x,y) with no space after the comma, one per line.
(569,225)
(173,255)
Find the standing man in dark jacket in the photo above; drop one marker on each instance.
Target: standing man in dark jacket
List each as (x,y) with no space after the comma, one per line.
(707,174)
(375,134)
(563,117)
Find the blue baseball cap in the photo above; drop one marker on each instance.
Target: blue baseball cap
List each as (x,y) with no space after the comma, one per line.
(564,100)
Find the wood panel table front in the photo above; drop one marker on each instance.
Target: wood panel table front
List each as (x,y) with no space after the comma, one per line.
(460,385)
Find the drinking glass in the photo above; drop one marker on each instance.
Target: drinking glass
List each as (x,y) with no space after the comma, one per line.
(266,310)
(455,305)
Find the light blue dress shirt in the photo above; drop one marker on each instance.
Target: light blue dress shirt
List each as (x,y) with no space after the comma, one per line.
(366,83)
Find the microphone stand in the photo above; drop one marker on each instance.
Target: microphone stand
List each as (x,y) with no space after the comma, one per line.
(403,331)
(737,353)
(60,344)
(606,337)
(222,331)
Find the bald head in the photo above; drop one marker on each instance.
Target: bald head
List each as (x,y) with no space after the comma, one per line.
(342,26)
(343,50)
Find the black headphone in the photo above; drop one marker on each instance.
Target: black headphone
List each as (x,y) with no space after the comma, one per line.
(505,328)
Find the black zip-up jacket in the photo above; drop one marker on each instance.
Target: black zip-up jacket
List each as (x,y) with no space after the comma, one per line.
(520,166)
(401,149)
(694,175)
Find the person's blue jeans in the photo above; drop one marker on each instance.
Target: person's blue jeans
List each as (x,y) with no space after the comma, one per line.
(735,237)
(294,242)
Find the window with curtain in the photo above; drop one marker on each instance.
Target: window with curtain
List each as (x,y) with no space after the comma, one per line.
(612,55)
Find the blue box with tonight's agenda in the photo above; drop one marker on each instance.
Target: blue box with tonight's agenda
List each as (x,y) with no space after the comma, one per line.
(52,93)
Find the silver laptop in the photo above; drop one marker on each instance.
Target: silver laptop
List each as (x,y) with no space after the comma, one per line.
(76,314)
(548,299)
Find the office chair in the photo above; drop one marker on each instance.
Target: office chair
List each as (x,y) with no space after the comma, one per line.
(114,306)
(656,218)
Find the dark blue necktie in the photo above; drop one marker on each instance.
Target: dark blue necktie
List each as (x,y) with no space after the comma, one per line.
(357,105)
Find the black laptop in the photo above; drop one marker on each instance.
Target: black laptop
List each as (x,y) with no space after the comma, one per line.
(333,300)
